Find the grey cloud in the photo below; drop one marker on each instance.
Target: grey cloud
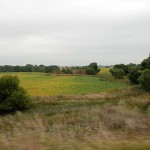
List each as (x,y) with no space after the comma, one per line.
(74,32)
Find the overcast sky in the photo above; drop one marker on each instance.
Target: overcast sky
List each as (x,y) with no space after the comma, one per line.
(74,32)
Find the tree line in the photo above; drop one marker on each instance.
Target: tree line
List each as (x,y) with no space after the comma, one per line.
(91,69)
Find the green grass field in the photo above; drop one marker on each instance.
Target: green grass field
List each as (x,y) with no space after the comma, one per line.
(40,84)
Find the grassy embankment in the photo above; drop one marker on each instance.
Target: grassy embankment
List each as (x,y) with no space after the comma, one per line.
(100,121)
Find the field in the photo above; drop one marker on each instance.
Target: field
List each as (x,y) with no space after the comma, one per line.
(81,113)
(40,84)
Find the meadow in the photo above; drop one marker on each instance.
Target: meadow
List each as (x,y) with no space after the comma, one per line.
(41,84)
(101,114)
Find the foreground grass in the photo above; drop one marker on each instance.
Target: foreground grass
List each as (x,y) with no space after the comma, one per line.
(105,121)
(40,84)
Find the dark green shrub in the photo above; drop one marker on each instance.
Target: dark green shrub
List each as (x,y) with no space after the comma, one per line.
(145,64)
(52,69)
(8,84)
(111,71)
(95,67)
(12,96)
(145,79)
(90,71)
(123,67)
(117,73)
(66,71)
(134,75)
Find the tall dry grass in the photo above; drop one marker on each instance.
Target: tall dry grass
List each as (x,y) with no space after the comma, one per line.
(103,121)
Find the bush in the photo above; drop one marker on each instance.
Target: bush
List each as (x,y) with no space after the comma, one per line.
(123,67)
(111,71)
(12,96)
(52,69)
(145,64)
(117,73)
(90,71)
(145,79)
(134,75)
(66,71)
(95,67)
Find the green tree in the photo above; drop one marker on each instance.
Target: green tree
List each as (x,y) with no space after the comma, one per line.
(90,71)
(123,67)
(95,67)
(28,68)
(145,79)
(12,96)
(117,73)
(67,71)
(52,69)
(134,74)
(145,64)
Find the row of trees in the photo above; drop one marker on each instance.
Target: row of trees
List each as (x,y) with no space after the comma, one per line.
(136,73)
(91,69)
(28,68)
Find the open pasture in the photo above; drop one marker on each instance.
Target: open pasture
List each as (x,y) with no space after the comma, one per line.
(41,84)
